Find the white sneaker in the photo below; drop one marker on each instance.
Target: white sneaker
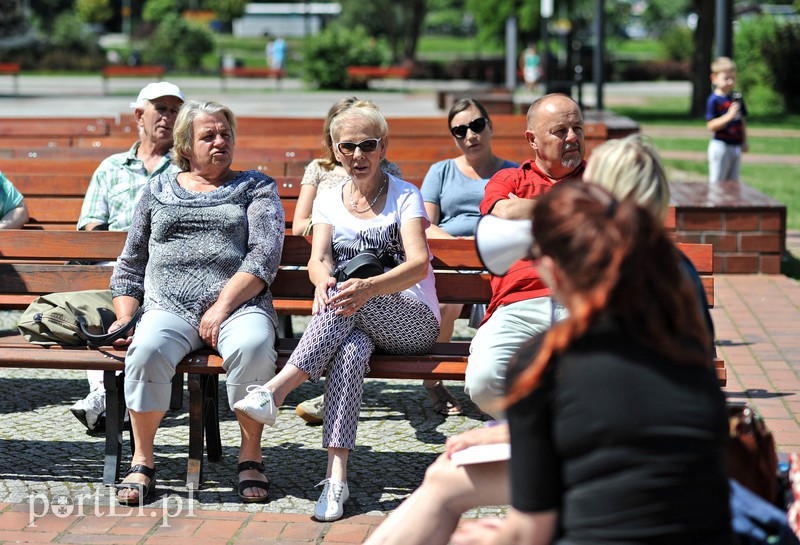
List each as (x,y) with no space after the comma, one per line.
(312,410)
(91,410)
(258,404)
(330,505)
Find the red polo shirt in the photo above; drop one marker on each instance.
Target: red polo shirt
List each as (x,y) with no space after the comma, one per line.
(528,182)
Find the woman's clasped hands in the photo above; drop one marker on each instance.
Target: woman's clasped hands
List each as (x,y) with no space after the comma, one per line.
(351,296)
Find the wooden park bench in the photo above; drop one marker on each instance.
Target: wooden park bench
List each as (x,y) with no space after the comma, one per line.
(252,72)
(123,71)
(11,69)
(363,74)
(32,263)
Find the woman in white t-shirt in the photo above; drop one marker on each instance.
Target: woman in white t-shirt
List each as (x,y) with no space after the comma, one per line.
(396,311)
(326,173)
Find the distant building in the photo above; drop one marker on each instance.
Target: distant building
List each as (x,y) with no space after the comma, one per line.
(285,19)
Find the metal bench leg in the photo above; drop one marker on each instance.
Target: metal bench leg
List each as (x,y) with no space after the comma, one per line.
(285,330)
(194,468)
(203,422)
(115,412)
(176,399)
(211,418)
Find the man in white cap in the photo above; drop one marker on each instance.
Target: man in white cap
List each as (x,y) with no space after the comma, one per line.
(120,179)
(115,189)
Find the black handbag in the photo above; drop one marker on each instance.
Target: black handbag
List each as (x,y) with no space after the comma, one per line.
(367,263)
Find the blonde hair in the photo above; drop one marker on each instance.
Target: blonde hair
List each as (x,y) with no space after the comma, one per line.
(328,160)
(184,127)
(723,64)
(364,109)
(630,167)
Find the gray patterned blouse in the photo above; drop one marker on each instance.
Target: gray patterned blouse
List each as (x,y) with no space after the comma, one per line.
(184,246)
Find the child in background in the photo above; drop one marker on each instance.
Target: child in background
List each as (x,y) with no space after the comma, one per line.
(725,113)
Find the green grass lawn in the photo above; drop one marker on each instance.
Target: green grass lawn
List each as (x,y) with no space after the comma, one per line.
(758,144)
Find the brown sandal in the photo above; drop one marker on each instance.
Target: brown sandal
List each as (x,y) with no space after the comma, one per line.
(442,400)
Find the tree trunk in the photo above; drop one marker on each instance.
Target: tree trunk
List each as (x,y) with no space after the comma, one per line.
(413,29)
(701,58)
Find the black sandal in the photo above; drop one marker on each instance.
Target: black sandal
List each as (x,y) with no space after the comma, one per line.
(145,490)
(252,483)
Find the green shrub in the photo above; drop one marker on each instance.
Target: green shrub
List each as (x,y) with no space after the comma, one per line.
(72,45)
(179,44)
(768,65)
(327,56)
(678,43)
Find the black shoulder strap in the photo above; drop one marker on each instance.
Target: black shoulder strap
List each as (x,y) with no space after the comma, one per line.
(107,338)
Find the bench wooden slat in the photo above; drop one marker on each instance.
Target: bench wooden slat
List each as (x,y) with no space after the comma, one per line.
(54,209)
(54,127)
(124,71)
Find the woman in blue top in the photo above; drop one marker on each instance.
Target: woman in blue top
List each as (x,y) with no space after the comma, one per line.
(452,191)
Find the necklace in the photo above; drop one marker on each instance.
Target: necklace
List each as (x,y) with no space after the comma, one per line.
(377,196)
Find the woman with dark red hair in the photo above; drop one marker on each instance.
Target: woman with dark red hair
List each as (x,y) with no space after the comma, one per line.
(617,422)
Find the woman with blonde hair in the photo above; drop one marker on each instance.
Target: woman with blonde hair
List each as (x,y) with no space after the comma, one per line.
(631,167)
(395,310)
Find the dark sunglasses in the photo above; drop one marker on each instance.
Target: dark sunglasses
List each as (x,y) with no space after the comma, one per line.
(349,148)
(476,126)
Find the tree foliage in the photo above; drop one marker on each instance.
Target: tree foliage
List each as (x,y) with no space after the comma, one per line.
(12,20)
(178,43)
(227,10)
(768,65)
(398,21)
(93,11)
(490,16)
(155,11)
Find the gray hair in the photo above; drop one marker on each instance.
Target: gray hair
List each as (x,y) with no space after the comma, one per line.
(183,131)
(364,109)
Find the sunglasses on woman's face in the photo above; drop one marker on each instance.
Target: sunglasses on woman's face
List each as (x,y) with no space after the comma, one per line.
(349,148)
(476,126)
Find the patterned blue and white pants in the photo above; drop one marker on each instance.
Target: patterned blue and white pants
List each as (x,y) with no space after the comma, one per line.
(342,345)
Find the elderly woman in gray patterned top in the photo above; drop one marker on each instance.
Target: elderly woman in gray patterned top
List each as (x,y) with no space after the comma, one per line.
(200,256)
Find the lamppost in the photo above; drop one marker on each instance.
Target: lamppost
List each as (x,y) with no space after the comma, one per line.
(546,11)
(126,18)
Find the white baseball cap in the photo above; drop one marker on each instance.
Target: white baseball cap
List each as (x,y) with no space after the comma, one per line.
(152,91)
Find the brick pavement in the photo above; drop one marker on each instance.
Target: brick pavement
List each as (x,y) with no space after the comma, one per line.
(47,462)
(43,450)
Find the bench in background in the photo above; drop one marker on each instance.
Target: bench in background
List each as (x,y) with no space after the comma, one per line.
(252,73)
(11,69)
(363,74)
(121,71)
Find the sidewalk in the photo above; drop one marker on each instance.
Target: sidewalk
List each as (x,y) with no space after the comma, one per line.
(47,461)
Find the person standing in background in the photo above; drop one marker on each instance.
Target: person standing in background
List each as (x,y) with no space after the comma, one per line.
(725,113)
(529,65)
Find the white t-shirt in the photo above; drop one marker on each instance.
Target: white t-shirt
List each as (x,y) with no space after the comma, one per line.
(352,235)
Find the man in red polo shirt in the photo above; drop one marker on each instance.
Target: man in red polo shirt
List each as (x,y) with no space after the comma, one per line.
(521,307)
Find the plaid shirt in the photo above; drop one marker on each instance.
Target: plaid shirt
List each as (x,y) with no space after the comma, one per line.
(116,187)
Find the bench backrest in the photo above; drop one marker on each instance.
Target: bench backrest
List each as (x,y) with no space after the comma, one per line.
(32,263)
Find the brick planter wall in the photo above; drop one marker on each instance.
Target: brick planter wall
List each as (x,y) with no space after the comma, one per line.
(746,227)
